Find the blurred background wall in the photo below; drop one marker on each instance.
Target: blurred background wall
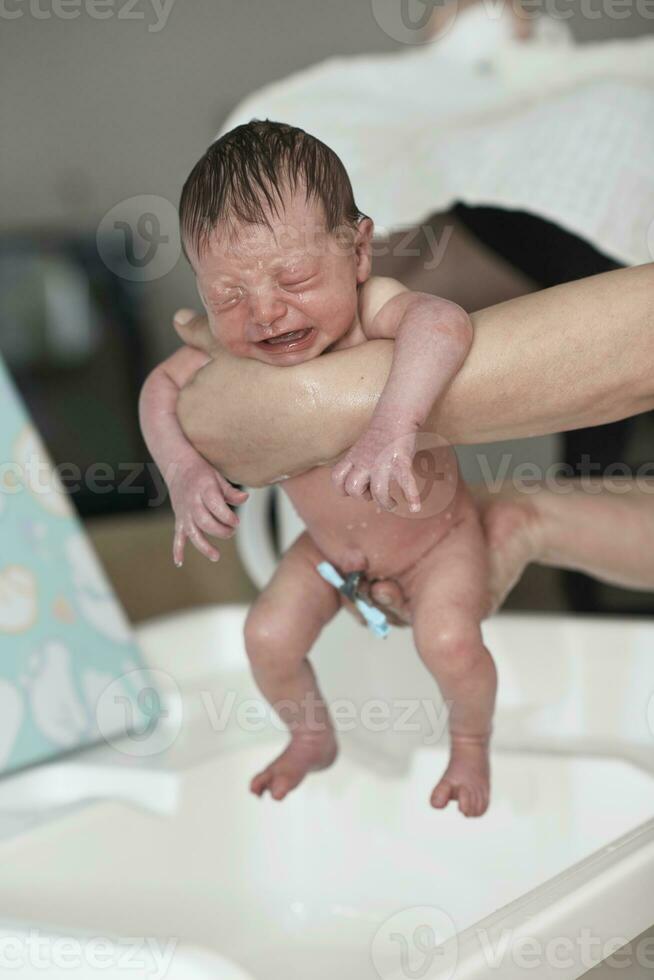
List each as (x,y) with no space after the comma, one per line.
(97,111)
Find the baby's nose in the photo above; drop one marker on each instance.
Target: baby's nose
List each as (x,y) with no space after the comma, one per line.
(267,310)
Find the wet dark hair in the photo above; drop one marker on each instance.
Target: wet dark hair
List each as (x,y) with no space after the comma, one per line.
(244,174)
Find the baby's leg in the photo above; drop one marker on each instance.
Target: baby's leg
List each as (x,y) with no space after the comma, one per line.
(280,630)
(449,600)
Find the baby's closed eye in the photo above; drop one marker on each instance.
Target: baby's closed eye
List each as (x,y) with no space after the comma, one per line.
(228,298)
(290,284)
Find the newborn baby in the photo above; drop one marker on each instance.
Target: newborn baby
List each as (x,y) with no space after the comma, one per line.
(282,258)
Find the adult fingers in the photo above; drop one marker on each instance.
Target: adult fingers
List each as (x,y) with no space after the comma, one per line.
(387,594)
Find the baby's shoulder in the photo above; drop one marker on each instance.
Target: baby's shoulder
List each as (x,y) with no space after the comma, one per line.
(374,294)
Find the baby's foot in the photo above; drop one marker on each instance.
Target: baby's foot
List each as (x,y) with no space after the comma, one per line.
(467,777)
(305,753)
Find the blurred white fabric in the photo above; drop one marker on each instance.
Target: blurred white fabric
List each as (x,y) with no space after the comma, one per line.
(564,131)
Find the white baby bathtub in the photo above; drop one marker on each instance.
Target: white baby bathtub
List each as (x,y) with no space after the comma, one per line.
(155,847)
(354,875)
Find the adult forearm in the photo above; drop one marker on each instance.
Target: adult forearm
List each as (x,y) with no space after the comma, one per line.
(580,532)
(259,424)
(603,527)
(575,355)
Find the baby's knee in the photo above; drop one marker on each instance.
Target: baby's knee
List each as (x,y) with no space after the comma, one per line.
(269,641)
(452,648)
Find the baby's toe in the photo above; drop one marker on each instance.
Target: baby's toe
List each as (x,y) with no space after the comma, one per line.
(441,795)
(465,801)
(281,786)
(476,805)
(259,783)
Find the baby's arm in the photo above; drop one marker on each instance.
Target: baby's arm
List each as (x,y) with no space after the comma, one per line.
(198,493)
(432,338)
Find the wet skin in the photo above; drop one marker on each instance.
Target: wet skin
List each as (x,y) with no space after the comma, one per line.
(393,507)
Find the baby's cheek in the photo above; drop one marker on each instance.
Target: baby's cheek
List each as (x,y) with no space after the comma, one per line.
(228,336)
(338,313)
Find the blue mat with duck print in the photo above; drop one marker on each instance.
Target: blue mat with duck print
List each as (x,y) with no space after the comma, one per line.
(70,671)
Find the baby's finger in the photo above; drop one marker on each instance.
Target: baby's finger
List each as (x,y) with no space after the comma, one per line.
(179,543)
(232,494)
(357,482)
(217,506)
(201,544)
(409,487)
(380,488)
(208,524)
(339,475)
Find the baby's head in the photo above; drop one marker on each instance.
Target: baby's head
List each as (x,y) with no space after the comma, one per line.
(276,241)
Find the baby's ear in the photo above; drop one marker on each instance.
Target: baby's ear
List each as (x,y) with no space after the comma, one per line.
(193,329)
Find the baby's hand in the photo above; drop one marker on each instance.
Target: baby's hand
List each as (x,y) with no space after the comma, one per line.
(383,453)
(200,498)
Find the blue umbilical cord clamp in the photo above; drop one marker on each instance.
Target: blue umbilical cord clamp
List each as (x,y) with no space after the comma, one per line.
(374,617)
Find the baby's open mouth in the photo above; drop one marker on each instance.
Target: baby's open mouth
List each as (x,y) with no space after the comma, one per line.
(288,340)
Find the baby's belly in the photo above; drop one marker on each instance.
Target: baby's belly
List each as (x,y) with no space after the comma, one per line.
(356,534)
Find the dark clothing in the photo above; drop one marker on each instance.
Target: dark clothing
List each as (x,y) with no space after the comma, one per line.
(551,256)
